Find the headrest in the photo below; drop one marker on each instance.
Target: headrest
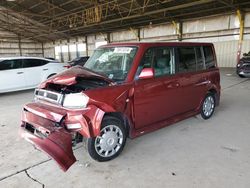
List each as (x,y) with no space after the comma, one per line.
(162,62)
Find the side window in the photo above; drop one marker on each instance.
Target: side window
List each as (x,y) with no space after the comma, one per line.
(11,64)
(162,61)
(209,57)
(146,62)
(187,61)
(159,58)
(199,59)
(33,62)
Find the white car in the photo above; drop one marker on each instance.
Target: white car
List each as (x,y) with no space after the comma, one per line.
(20,73)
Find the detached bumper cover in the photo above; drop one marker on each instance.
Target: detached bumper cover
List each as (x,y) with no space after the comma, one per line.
(49,137)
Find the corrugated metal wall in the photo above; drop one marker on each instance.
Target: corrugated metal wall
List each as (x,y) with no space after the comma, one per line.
(10,45)
(223,31)
(226,52)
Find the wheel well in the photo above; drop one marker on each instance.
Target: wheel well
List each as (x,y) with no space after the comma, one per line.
(121,117)
(214,92)
(51,75)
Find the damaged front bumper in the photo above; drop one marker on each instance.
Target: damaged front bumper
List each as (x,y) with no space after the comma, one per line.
(45,127)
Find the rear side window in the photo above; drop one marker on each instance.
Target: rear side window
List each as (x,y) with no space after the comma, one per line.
(209,57)
(11,64)
(33,62)
(187,60)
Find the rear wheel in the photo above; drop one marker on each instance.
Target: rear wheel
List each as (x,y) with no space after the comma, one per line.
(208,106)
(111,141)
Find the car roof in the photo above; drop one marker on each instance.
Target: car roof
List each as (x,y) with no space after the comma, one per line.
(160,43)
(22,57)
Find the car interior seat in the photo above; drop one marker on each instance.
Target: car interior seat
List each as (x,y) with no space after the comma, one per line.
(162,66)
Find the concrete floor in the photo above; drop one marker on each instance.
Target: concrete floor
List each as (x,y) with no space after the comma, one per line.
(192,153)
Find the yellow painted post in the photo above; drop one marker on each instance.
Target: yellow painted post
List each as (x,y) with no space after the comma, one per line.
(136,33)
(178,29)
(240,16)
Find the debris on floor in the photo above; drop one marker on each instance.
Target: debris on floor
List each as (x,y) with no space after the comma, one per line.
(229,148)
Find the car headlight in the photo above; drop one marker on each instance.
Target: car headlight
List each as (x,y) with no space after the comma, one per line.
(75,100)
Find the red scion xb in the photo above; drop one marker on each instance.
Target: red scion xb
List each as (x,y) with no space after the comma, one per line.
(124,90)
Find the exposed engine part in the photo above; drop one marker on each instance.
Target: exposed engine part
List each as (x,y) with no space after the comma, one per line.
(76,138)
(82,84)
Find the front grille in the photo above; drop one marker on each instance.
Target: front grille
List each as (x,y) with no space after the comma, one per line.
(30,128)
(49,96)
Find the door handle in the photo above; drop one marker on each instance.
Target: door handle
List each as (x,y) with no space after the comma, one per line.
(173,85)
(202,82)
(19,72)
(45,69)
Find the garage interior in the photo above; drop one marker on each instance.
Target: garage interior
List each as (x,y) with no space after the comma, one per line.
(191,153)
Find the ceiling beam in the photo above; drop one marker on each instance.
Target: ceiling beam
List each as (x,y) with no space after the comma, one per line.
(51,6)
(176,7)
(229,4)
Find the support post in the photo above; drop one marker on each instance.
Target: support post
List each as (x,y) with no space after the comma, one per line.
(42,50)
(178,29)
(136,33)
(87,48)
(54,50)
(241,18)
(77,52)
(69,53)
(139,34)
(108,38)
(19,46)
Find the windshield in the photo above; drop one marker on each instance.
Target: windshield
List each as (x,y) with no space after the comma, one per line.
(112,62)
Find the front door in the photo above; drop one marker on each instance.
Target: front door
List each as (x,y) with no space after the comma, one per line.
(33,69)
(156,99)
(11,75)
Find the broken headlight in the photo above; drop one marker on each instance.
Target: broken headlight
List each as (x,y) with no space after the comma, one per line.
(75,100)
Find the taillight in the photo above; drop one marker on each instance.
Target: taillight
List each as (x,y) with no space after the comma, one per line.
(67,66)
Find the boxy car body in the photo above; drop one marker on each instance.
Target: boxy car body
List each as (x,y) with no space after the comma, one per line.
(124,90)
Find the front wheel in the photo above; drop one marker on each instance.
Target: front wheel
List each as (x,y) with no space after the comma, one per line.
(208,106)
(111,141)
(242,76)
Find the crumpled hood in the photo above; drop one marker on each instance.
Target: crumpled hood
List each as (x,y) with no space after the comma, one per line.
(69,76)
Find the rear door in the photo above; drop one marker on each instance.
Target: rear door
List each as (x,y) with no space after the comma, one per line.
(193,82)
(11,75)
(33,71)
(156,99)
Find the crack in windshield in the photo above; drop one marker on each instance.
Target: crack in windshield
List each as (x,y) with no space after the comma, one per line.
(112,62)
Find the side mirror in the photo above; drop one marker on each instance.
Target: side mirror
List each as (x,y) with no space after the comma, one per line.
(146,73)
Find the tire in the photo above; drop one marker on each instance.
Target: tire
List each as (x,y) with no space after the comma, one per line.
(208,106)
(111,141)
(241,76)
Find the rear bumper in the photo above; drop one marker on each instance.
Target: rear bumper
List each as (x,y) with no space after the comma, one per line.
(45,126)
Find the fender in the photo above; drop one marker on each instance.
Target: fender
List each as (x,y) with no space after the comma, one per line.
(120,107)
